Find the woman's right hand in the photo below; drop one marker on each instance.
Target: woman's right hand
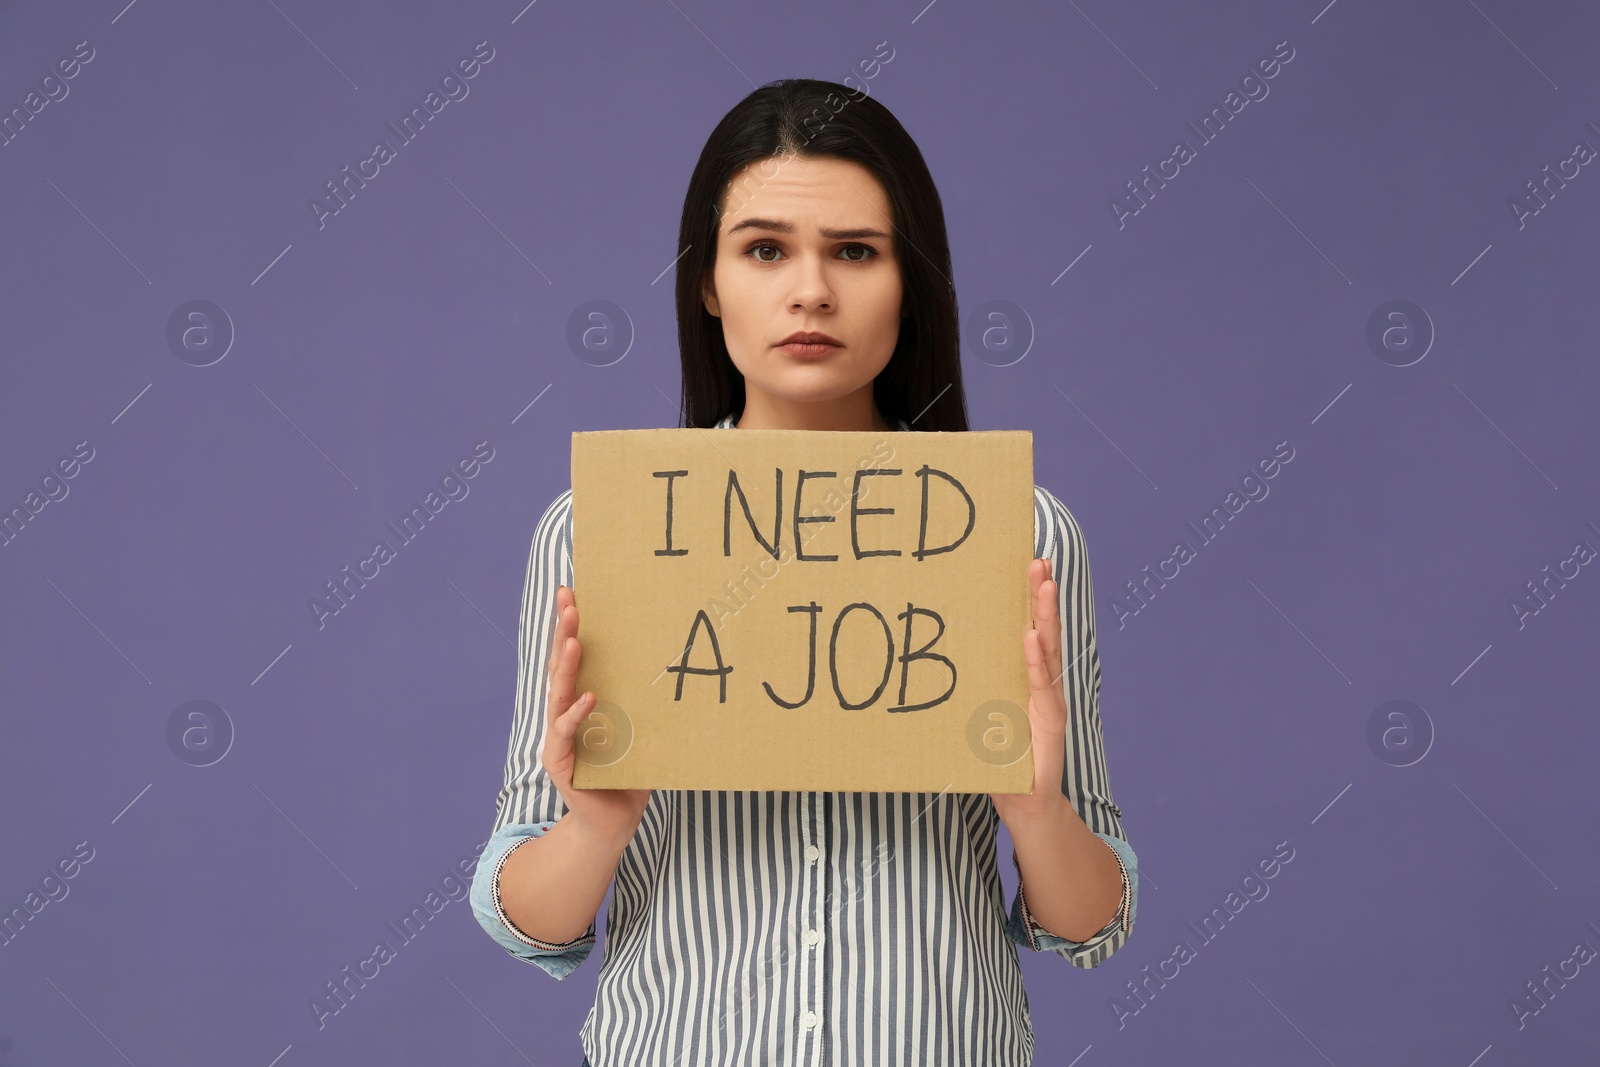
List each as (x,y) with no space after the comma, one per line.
(613,814)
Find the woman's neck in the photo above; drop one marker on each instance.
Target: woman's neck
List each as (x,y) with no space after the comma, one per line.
(850,413)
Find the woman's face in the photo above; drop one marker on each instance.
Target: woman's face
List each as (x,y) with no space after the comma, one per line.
(807,245)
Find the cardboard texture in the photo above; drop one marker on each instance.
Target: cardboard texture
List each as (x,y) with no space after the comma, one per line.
(885,655)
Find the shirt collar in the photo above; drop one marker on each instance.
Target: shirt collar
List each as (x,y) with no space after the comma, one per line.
(726,423)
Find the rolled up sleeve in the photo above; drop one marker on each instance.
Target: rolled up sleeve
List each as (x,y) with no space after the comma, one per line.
(1023,930)
(558,961)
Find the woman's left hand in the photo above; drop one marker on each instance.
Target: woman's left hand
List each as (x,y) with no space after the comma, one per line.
(1047,705)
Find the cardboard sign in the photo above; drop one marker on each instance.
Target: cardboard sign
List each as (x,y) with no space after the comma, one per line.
(803,610)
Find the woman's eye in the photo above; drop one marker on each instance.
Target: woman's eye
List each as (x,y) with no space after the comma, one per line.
(755,253)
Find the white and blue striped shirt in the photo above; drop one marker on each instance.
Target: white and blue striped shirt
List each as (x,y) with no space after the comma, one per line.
(808,928)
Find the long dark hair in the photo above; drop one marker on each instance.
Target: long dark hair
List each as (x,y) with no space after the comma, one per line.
(813,120)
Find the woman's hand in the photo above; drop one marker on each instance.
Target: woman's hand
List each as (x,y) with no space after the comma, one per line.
(613,814)
(1047,704)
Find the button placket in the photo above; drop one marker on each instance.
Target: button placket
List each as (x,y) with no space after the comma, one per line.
(812,1005)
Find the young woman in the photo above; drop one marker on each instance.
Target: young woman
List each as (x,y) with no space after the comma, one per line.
(829,928)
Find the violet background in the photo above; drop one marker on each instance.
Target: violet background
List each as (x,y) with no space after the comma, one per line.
(434,311)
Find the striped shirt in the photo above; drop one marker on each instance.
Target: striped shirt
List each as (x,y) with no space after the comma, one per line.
(808,927)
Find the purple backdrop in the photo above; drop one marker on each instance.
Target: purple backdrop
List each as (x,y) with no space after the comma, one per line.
(1379,260)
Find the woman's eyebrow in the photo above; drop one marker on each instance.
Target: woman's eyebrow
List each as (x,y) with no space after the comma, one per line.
(784,227)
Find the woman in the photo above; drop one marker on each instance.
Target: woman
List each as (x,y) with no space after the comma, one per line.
(837,928)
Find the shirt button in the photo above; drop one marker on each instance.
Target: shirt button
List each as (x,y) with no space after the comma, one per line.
(810,1019)
(812,852)
(812,937)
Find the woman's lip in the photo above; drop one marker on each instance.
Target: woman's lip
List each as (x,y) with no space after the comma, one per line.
(808,351)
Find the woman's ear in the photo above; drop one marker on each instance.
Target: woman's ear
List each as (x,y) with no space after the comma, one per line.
(708,296)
